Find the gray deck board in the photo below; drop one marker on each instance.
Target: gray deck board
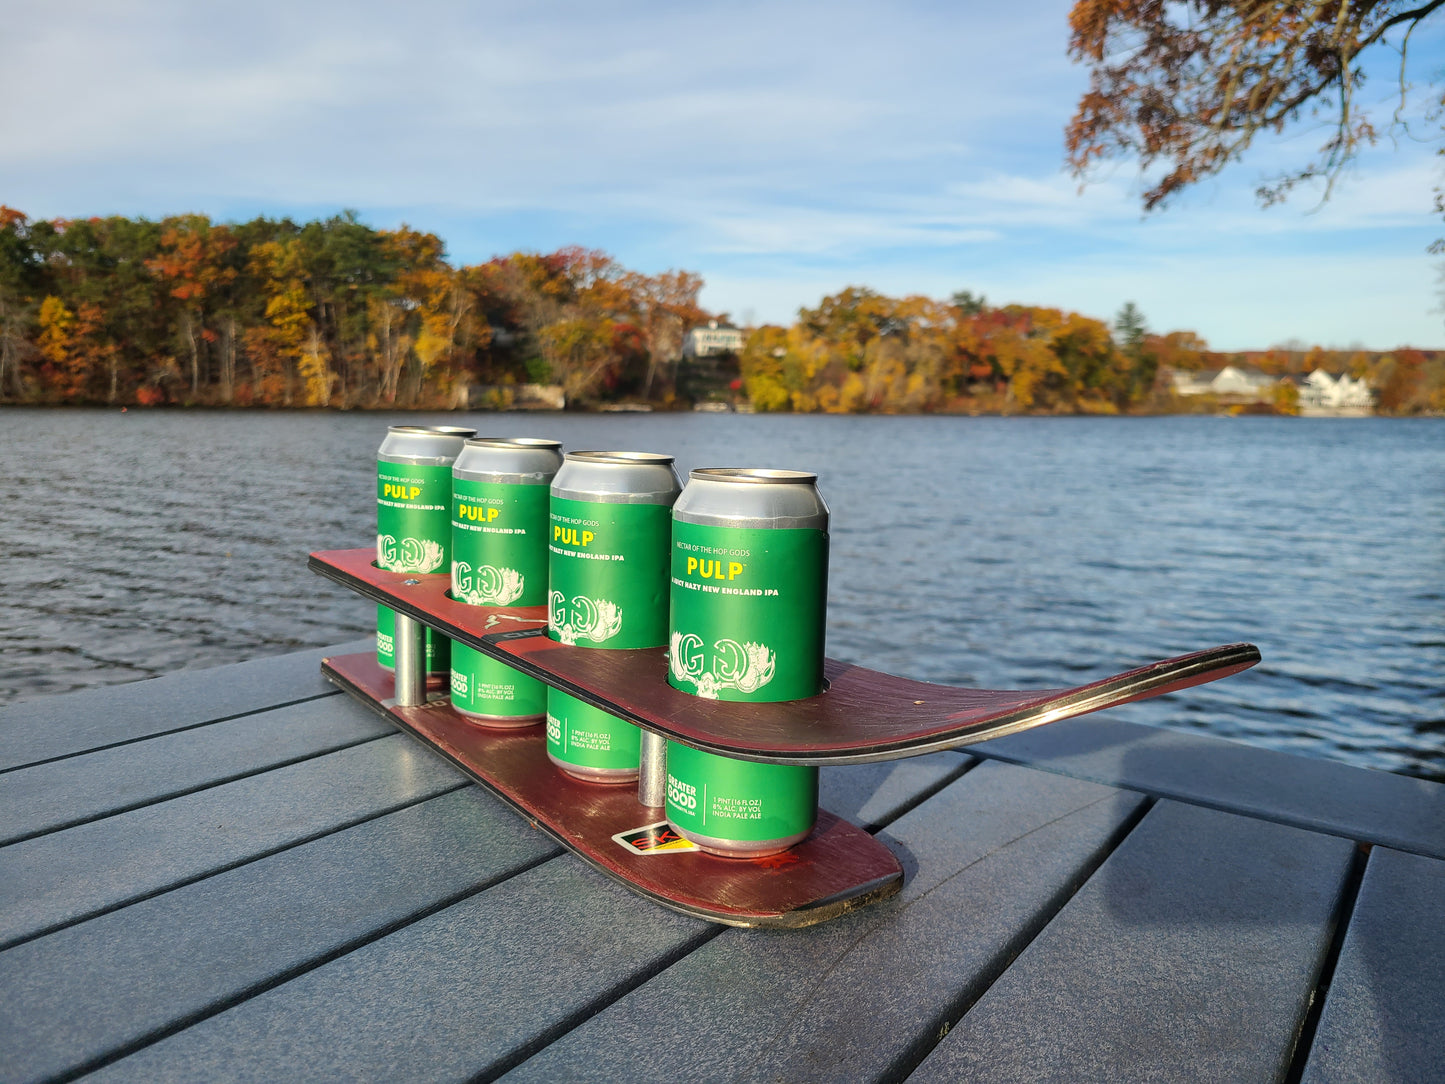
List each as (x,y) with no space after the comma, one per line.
(1321,795)
(996,854)
(1382,1020)
(1190,955)
(459,993)
(474,988)
(310,908)
(98,987)
(872,795)
(37,730)
(56,879)
(86,786)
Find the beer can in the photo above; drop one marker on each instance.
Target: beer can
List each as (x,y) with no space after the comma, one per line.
(499,520)
(747,616)
(608,545)
(413,519)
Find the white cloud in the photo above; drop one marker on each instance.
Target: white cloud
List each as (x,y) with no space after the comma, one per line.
(783,150)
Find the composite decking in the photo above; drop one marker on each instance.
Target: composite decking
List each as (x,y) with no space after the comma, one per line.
(240,874)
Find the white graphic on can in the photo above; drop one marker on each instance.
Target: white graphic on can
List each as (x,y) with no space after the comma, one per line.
(409,555)
(586,619)
(744,667)
(486,585)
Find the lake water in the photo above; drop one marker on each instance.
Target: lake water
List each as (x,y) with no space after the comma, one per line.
(994,552)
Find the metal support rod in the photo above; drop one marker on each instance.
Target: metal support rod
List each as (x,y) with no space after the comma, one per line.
(652,771)
(410,641)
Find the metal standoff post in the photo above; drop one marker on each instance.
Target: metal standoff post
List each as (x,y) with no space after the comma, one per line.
(410,661)
(652,771)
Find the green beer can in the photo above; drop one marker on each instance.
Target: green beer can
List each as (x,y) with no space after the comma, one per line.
(608,544)
(413,519)
(500,494)
(749,592)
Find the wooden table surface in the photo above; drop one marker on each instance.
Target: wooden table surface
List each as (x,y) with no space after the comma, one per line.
(238,874)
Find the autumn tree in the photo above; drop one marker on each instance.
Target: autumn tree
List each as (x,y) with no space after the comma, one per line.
(665,306)
(290,341)
(1285,397)
(191,263)
(102,262)
(346,265)
(575,317)
(1410,382)
(57,327)
(521,295)
(1178,350)
(19,280)
(423,318)
(1188,86)
(1021,347)
(761,364)
(578,345)
(78,354)
(783,369)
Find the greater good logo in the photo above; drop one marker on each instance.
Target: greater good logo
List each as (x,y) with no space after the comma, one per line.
(682,795)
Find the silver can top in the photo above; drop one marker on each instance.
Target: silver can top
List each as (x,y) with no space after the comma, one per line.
(755,475)
(528,461)
(426,445)
(752,497)
(617,478)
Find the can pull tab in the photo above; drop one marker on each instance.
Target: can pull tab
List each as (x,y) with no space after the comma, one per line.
(411,583)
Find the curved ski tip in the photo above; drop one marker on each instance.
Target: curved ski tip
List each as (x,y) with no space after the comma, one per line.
(1243,655)
(1181,672)
(1216,662)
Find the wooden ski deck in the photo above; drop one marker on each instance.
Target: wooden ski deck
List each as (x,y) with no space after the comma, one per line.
(242,874)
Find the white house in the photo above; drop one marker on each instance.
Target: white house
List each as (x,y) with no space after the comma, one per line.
(710,341)
(1233,381)
(1321,393)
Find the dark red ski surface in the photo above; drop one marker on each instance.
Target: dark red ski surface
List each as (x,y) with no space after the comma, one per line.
(836,869)
(864,714)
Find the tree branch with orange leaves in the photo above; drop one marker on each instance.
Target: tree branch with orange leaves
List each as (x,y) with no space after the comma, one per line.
(1189,85)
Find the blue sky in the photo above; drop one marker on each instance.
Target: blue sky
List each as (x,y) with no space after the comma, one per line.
(783,151)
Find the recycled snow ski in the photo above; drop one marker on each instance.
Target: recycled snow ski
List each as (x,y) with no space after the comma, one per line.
(862,716)
(838,868)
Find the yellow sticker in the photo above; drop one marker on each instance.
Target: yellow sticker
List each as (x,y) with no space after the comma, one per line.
(659,838)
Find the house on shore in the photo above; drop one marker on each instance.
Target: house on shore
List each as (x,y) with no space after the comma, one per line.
(1236,383)
(1343,396)
(713,340)
(1320,393)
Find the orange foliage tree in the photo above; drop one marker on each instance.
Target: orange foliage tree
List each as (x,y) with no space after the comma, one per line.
(1190,85)
(191,262)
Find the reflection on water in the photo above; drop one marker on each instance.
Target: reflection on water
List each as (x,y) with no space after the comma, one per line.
(1010,553)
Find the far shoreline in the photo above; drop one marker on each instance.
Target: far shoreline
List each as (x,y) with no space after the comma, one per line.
(170,408)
